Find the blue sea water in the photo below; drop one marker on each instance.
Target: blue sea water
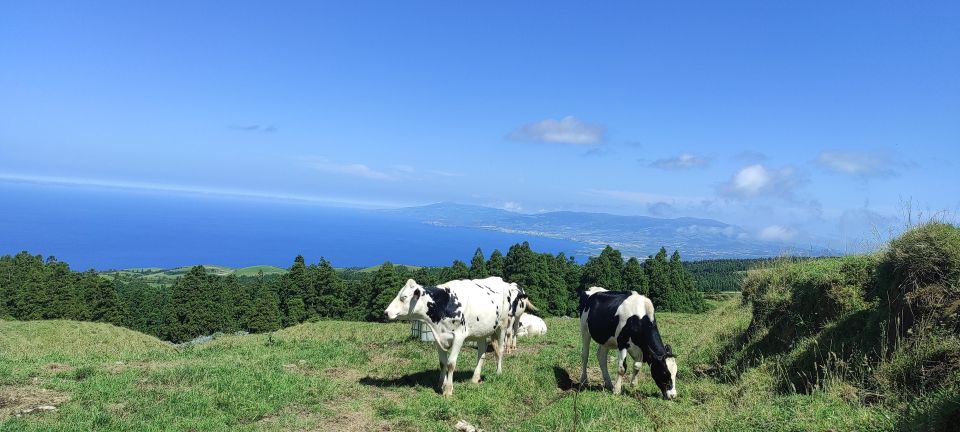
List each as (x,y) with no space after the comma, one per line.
(113,229)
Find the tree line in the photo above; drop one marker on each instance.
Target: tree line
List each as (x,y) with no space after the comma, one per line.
(201,303)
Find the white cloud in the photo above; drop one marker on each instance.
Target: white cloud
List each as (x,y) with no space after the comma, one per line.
(512,206)
(865,164)
(777,233)
(683,162)
(567,130)
(757,180)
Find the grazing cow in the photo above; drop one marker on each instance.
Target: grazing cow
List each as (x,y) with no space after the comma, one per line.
(519,305)
(457,311)
(624,320)
(532,325)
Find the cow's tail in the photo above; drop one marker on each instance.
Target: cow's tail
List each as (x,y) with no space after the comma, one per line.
(529,305)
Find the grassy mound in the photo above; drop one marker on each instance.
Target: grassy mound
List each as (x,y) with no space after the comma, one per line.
(59,341)
(882,328)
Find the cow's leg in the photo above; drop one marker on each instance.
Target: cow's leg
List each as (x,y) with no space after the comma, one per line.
(602,358)
(498,348)
(621,370)
(443,367)
(584,356)
(637,356)
(481,353)
(452,364)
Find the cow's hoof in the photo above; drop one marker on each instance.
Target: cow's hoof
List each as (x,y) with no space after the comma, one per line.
(475,380)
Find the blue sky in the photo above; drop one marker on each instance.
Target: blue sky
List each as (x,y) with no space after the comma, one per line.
(799,120)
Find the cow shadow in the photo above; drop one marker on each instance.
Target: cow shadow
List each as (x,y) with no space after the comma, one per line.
(566,383)
(427,378)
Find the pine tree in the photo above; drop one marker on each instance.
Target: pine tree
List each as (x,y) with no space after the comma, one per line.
(292,293)
(683,296)
(458,270)
(635,278)
(423,277)
(478,266)
(238,304)
(265,316)
(193,306)
(386,284)
(495,263)
(659,277)
(331,298)
(604,270)
(101,299)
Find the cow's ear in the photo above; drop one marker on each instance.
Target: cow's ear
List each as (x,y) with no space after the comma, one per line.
(669,351)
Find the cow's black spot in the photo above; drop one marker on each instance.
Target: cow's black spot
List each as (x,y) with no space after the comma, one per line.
(601,309)
(443,304)
(516,303)
(478,319)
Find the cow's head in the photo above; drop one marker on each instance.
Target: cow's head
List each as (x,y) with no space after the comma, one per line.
(407,304)
(663,369)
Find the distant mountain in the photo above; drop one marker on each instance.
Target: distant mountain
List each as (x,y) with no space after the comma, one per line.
(633,235)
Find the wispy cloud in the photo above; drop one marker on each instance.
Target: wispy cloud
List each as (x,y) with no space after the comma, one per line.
(352,169)
(684,161)
(757,180)
(255,128)
(777,233)
(597,152)
(646,197)
(863,164)
(659,209)
(568,130)
(190,190)
(445,173)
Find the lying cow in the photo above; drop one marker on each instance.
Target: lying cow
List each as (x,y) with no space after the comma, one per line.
(532,325)
(519,305)
(623,320)
(457,311)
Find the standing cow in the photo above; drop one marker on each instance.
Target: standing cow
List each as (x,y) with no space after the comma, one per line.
(457,311)
(624,321)
(519,305)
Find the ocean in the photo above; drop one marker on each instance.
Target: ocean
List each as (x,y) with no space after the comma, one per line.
(115,228)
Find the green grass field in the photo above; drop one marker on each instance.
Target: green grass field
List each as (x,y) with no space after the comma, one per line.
(157,276)
(366,376)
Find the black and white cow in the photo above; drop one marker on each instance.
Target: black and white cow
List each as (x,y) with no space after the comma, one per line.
(519,305)
(624,321)
(457,311)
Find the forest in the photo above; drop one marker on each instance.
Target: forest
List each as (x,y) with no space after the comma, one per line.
(200,303)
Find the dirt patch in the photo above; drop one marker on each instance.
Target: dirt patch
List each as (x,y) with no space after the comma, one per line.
(24,400)
(56,368)
(343,374)
(301,367)
(120,367)
(343,419)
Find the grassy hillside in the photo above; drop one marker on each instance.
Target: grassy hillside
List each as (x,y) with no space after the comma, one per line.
(367,376)
(879,329)
(154,275)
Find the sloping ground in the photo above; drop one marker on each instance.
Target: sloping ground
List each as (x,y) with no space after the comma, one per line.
(881,329)
(63,339)
(366,376)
